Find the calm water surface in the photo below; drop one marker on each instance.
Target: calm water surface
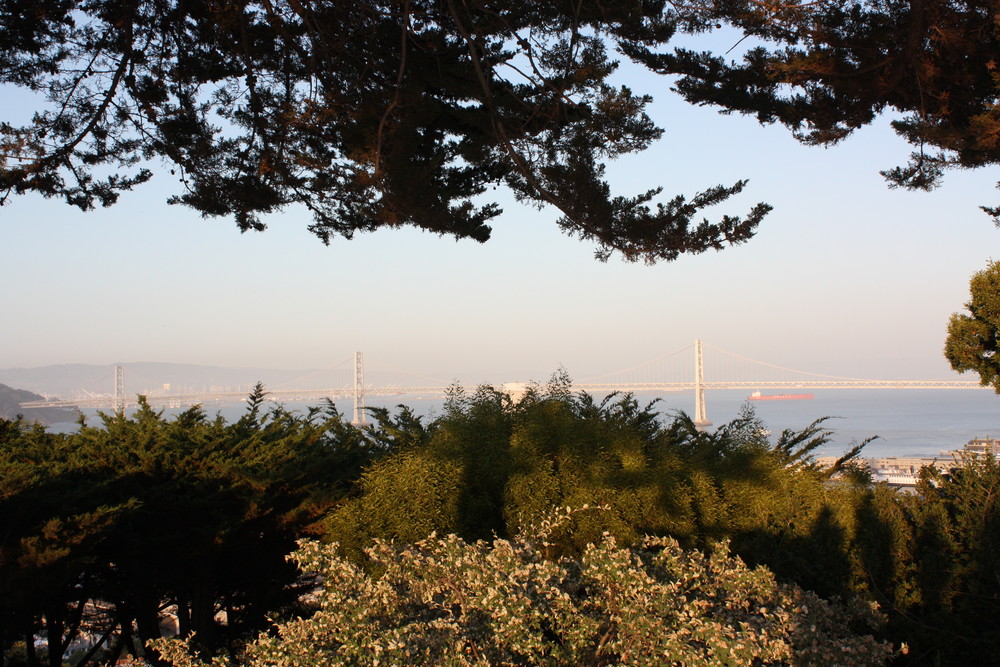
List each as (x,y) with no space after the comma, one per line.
(909,422)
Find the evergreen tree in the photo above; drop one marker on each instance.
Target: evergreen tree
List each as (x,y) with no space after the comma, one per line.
(141,513)
(974,338)
(826,68)
(371,114)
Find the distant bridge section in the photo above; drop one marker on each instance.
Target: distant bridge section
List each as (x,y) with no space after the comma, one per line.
(777,384)
(687,369)
(279,395)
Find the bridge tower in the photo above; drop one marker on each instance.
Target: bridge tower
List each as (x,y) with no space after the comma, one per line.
(700,416)
(118,398)
(359,390)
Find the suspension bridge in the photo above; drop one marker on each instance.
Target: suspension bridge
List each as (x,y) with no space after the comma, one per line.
(686,369)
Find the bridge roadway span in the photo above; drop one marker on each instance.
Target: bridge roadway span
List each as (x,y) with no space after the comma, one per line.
(287,395)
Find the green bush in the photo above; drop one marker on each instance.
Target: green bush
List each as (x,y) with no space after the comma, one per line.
(104,528)
(444,601)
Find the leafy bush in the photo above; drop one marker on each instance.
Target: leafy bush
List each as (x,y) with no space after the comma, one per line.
(444,601)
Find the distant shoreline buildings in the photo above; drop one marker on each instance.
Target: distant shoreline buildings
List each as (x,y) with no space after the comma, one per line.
(904,471)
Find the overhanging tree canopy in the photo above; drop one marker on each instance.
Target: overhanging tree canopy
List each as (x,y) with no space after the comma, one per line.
(372,114)
(825,68)
(382,113)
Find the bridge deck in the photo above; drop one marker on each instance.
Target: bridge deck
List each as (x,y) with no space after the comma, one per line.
(440,391)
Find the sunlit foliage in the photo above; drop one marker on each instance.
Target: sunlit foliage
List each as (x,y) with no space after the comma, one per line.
(974,338)
(107,527)
(444,601)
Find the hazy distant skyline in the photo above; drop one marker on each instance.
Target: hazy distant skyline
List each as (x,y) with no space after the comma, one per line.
(845,276)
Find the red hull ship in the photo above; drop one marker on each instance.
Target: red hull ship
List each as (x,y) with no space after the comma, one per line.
(757,396)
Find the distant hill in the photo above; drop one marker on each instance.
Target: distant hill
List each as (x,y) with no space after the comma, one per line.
(10,408)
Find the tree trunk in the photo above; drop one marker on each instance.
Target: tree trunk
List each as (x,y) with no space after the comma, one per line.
(203,614)
(147,623)
(54,636)
(183,617)
(147,620)
(29,647)
(89,655)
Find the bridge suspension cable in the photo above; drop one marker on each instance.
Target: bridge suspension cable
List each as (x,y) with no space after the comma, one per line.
(382,366)
(645,364)
(784,368)
(313,374)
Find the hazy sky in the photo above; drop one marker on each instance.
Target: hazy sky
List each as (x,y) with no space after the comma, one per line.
(844,277)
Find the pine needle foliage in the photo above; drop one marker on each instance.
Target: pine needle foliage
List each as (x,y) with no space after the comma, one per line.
(138,513)
(369,114)
(974,336)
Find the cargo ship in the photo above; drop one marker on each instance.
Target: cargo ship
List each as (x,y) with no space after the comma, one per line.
(757,396)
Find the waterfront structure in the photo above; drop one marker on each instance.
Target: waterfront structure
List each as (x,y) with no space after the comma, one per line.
(904,471)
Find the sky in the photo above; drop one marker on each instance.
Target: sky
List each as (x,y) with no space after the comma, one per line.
(845,277)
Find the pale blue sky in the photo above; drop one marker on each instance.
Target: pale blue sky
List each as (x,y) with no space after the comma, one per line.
(845,276)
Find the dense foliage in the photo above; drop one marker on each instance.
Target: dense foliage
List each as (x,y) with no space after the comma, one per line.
(490,467)
(371,114)
(443,601)
(106,529)
(825,68)
(931,559)
(384,113)
(974,338)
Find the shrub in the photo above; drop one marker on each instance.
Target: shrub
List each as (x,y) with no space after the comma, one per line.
(445,601)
